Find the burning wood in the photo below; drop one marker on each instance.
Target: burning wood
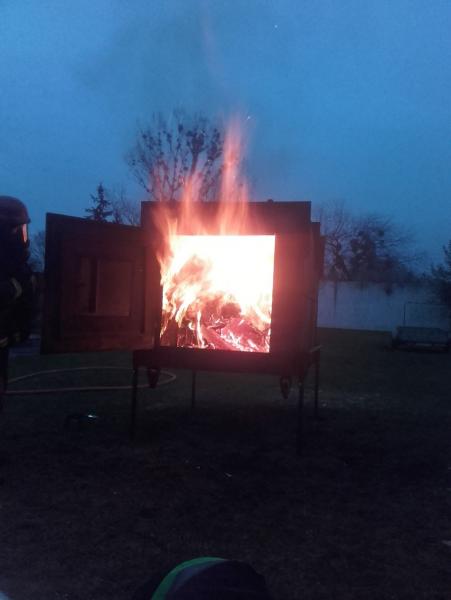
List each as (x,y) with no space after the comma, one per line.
(230,331)
(217,288)
(218,291)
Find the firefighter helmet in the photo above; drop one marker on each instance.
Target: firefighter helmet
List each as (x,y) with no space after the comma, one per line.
(13,212)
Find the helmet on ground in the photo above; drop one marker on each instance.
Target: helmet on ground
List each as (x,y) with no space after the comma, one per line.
(207,578)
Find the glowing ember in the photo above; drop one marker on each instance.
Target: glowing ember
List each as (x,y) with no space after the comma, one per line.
(217,292)
(218,281)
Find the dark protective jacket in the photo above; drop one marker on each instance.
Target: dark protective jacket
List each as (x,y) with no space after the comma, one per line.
(16,298)
(16,281)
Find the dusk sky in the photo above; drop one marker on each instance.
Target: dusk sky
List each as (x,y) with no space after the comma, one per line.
(342,99)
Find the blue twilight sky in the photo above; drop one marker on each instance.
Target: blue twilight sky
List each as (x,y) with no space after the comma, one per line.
(347,99)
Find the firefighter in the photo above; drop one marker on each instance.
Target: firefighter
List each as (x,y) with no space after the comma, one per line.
(17,282)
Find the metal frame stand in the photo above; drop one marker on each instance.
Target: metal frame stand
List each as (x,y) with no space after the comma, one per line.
(300,419)
(316,357)
(316,388)
(193,389)
(153,374)
(134,403)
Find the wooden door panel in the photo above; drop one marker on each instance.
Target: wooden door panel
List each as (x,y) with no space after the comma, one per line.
(102,287)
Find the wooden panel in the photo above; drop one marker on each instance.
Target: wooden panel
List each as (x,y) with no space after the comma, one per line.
(313,269)
(99,278)
(287,307)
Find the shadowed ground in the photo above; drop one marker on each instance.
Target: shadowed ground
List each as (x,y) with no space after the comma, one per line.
(85,514)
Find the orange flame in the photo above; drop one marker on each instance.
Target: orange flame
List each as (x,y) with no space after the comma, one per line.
(217,281)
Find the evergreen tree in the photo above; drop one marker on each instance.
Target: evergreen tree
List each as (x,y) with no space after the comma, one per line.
(101,209)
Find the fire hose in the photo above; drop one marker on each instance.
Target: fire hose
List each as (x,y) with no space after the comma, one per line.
(170,377)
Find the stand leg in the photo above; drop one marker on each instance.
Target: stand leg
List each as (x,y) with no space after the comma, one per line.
(152,377)
(193,390)
(134,404)
(299,431)
(285,386)
(317,387)
(3,374)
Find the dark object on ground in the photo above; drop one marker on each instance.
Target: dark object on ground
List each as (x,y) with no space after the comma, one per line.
(421,337)
(206,578)
(78,421)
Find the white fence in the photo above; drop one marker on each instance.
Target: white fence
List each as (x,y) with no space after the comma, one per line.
(350,305)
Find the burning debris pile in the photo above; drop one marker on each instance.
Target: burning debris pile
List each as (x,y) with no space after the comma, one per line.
(217,292)
(217,281)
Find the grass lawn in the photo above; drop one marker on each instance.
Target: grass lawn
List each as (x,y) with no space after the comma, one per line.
(363,514)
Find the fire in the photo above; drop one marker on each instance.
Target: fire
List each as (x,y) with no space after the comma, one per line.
(217,292)
(217,280)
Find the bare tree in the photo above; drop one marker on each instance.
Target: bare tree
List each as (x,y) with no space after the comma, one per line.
(337,226)
(441,278)
(169,151)
(125,211)
(371,247)
(37,251)
(381,250)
